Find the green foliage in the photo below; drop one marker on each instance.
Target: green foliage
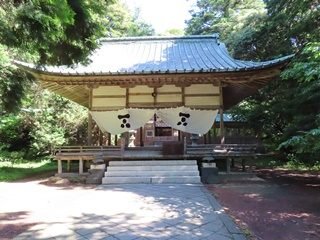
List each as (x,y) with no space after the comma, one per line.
(121,23)
(58,32)
(10,171)
(12,82)
(47,120)
(55,33)
(223,17)
(286,111)
(174,32)
(46,33)
(14,134)
(303,148)
(33,120)
(306,65)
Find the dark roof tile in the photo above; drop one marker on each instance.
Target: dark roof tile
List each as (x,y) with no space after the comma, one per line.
(143,55)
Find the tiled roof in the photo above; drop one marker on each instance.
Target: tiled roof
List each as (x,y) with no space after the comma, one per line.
(145,55)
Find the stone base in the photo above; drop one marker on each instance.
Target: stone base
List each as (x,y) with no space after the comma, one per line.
(209,165)
(209,175)
(98,166)
(95,176)
(69,174)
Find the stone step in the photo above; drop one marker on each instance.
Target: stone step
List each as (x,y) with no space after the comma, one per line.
(153,163)
(160,171)
(151,180)
(154,168)
(150,173)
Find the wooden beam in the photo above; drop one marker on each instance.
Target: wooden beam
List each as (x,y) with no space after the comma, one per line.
(109,139)
(127,97)
(80,165)
(154,95)
(89,142)
(183,96)
(222,134)
(59,166)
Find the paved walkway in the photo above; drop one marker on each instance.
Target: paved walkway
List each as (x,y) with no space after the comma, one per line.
(120,212)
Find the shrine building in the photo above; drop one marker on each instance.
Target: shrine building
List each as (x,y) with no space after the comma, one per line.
(179,82)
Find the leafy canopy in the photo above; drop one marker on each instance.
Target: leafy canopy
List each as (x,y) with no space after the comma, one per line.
(286,111)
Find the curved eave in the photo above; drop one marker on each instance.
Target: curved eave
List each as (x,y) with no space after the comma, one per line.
(238,83)
(33,70)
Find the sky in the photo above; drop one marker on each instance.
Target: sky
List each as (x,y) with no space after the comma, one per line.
(163,14)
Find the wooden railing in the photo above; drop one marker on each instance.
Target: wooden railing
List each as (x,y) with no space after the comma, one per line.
(222,150)
(86,152)
(225,151)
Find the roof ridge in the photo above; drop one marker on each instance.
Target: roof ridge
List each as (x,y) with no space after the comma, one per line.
(151,38)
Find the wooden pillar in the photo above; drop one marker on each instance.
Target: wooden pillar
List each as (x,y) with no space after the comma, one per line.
(184,146)
(222,127)
(59,166)
(100,138)
(80,166)
(116,140)
(122,146)
(232,162)
(81,162)
(109,139)
(141,137)
(68,166)
(222,140)
(243,164)
(214,133)
(250,166)
(228,165)
(125,138)
(89,142)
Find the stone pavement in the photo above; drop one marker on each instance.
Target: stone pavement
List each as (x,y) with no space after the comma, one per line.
(132,211)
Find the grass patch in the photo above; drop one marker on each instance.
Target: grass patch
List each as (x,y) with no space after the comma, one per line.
(12,171)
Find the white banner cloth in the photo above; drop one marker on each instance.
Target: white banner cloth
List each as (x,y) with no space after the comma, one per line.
(116,122)
(181,118)
(188,120)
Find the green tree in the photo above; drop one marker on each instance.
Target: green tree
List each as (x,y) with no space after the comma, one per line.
(223,17)
(284,28)
(121,23)
(46,33)
(302,134)
(174,32)
(286,111)
(50,33)
(45,121)
(57,32)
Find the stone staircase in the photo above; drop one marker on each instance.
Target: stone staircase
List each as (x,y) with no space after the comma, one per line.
(152,172)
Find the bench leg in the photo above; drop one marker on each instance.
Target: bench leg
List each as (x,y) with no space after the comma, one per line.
(228,165)
(59,166)
(250,167)
(232,162)
(80,166)
(243,164)
(68,166)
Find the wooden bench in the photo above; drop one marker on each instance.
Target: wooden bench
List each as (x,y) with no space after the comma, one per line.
(226,151)
(82,153)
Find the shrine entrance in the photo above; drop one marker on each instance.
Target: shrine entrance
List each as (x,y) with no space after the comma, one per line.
(184,81)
